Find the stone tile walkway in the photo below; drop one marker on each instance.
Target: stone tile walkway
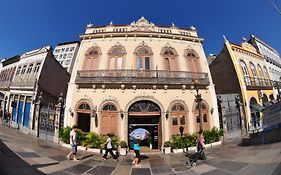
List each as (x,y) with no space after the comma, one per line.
(25,154)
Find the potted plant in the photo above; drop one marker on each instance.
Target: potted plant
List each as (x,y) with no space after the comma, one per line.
(93,142)
(123,148)
(167,147)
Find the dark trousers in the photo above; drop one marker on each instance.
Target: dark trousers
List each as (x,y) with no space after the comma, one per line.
(111,152)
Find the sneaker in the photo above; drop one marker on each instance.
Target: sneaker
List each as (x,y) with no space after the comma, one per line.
(116,160)
(75,159)
(103,158)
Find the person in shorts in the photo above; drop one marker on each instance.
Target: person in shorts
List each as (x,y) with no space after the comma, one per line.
(73,143)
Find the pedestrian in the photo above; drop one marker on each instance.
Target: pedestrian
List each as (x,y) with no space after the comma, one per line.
(73,143)
(108,149)
(201,145)
(137,157)
(200,141)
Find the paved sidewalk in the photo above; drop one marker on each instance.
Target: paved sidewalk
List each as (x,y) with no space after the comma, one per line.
(49,158)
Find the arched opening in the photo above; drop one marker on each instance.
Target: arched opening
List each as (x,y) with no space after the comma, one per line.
(146,114)
(178,118)
(192,61)
(84,117)
(255,113)
(205,117)
(170,59)
(109,120)
(92,59)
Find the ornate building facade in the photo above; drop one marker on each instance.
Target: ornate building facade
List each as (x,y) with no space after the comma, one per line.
(141,75)
(240,69)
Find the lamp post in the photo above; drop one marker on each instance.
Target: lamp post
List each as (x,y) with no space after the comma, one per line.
(198,100)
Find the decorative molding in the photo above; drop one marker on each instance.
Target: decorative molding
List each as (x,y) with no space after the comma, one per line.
(141,46)
(109,98)
(143,25)
(166,47)
(177,100)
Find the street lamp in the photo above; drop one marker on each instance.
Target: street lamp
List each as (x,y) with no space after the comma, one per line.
(198,100)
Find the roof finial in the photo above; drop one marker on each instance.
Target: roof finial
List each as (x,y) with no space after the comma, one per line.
(192,28)
(111,22)
(90,25)
(244,39)
(224,37)
(173,25)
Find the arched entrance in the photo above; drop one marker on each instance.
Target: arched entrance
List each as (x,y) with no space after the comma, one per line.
(146,114)
(255,113)
(84,117)
(109,120)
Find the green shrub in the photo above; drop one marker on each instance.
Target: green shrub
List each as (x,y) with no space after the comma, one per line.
(123,144)
(178,142)
(64,134)
(93,140)
(190,140)
(167,144)
(213,135)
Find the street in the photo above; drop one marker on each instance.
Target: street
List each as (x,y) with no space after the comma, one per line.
(24,154)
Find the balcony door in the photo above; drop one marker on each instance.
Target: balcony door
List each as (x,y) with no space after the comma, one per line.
(143,61)
(193,62)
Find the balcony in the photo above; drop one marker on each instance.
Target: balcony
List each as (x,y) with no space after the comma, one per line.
(113,78)
(258,83)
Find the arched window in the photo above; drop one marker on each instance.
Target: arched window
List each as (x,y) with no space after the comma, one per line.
(205,116)
(260,71)
(109,107)
(170,61)
(143,58)
(84,106)
(266,73)
(193,62)
(178,118)
(116,57)
(144,106)
(261,75)
(255,75)
(92,58)
(245,71)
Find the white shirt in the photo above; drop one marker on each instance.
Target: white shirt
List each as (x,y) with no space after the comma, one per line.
(109,146)
(72,139)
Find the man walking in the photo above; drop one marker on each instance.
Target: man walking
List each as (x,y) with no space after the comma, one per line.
(73,143)
(108,146)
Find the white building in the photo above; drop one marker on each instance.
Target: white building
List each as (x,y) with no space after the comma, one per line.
(271,57)
(66,53)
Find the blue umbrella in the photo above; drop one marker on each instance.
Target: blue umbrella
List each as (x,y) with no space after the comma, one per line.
(140,133)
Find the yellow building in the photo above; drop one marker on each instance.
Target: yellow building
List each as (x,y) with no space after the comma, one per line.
(242,70)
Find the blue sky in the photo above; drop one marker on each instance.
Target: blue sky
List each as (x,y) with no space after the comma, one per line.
(30,24)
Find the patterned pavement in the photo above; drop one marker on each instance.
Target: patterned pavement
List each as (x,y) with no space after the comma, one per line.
(24,154)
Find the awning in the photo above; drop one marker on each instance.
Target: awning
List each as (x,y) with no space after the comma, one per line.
(267,104)
(256,107)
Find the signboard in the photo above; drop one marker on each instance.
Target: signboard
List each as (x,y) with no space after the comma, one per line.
(272,115)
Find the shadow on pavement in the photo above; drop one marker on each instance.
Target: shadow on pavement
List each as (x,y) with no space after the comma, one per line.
(11,164)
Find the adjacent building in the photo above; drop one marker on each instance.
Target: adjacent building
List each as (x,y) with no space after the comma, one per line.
(141,75)
(7,73)
(37,73)
(66,53)
(241,70)
(272,59)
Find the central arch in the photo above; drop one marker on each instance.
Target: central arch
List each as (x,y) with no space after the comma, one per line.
(146,114)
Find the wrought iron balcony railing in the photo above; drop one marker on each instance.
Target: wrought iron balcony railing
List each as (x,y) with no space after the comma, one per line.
(141,77)
(258,82)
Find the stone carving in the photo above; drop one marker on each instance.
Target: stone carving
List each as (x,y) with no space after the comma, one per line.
(109,98)
(142,25)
